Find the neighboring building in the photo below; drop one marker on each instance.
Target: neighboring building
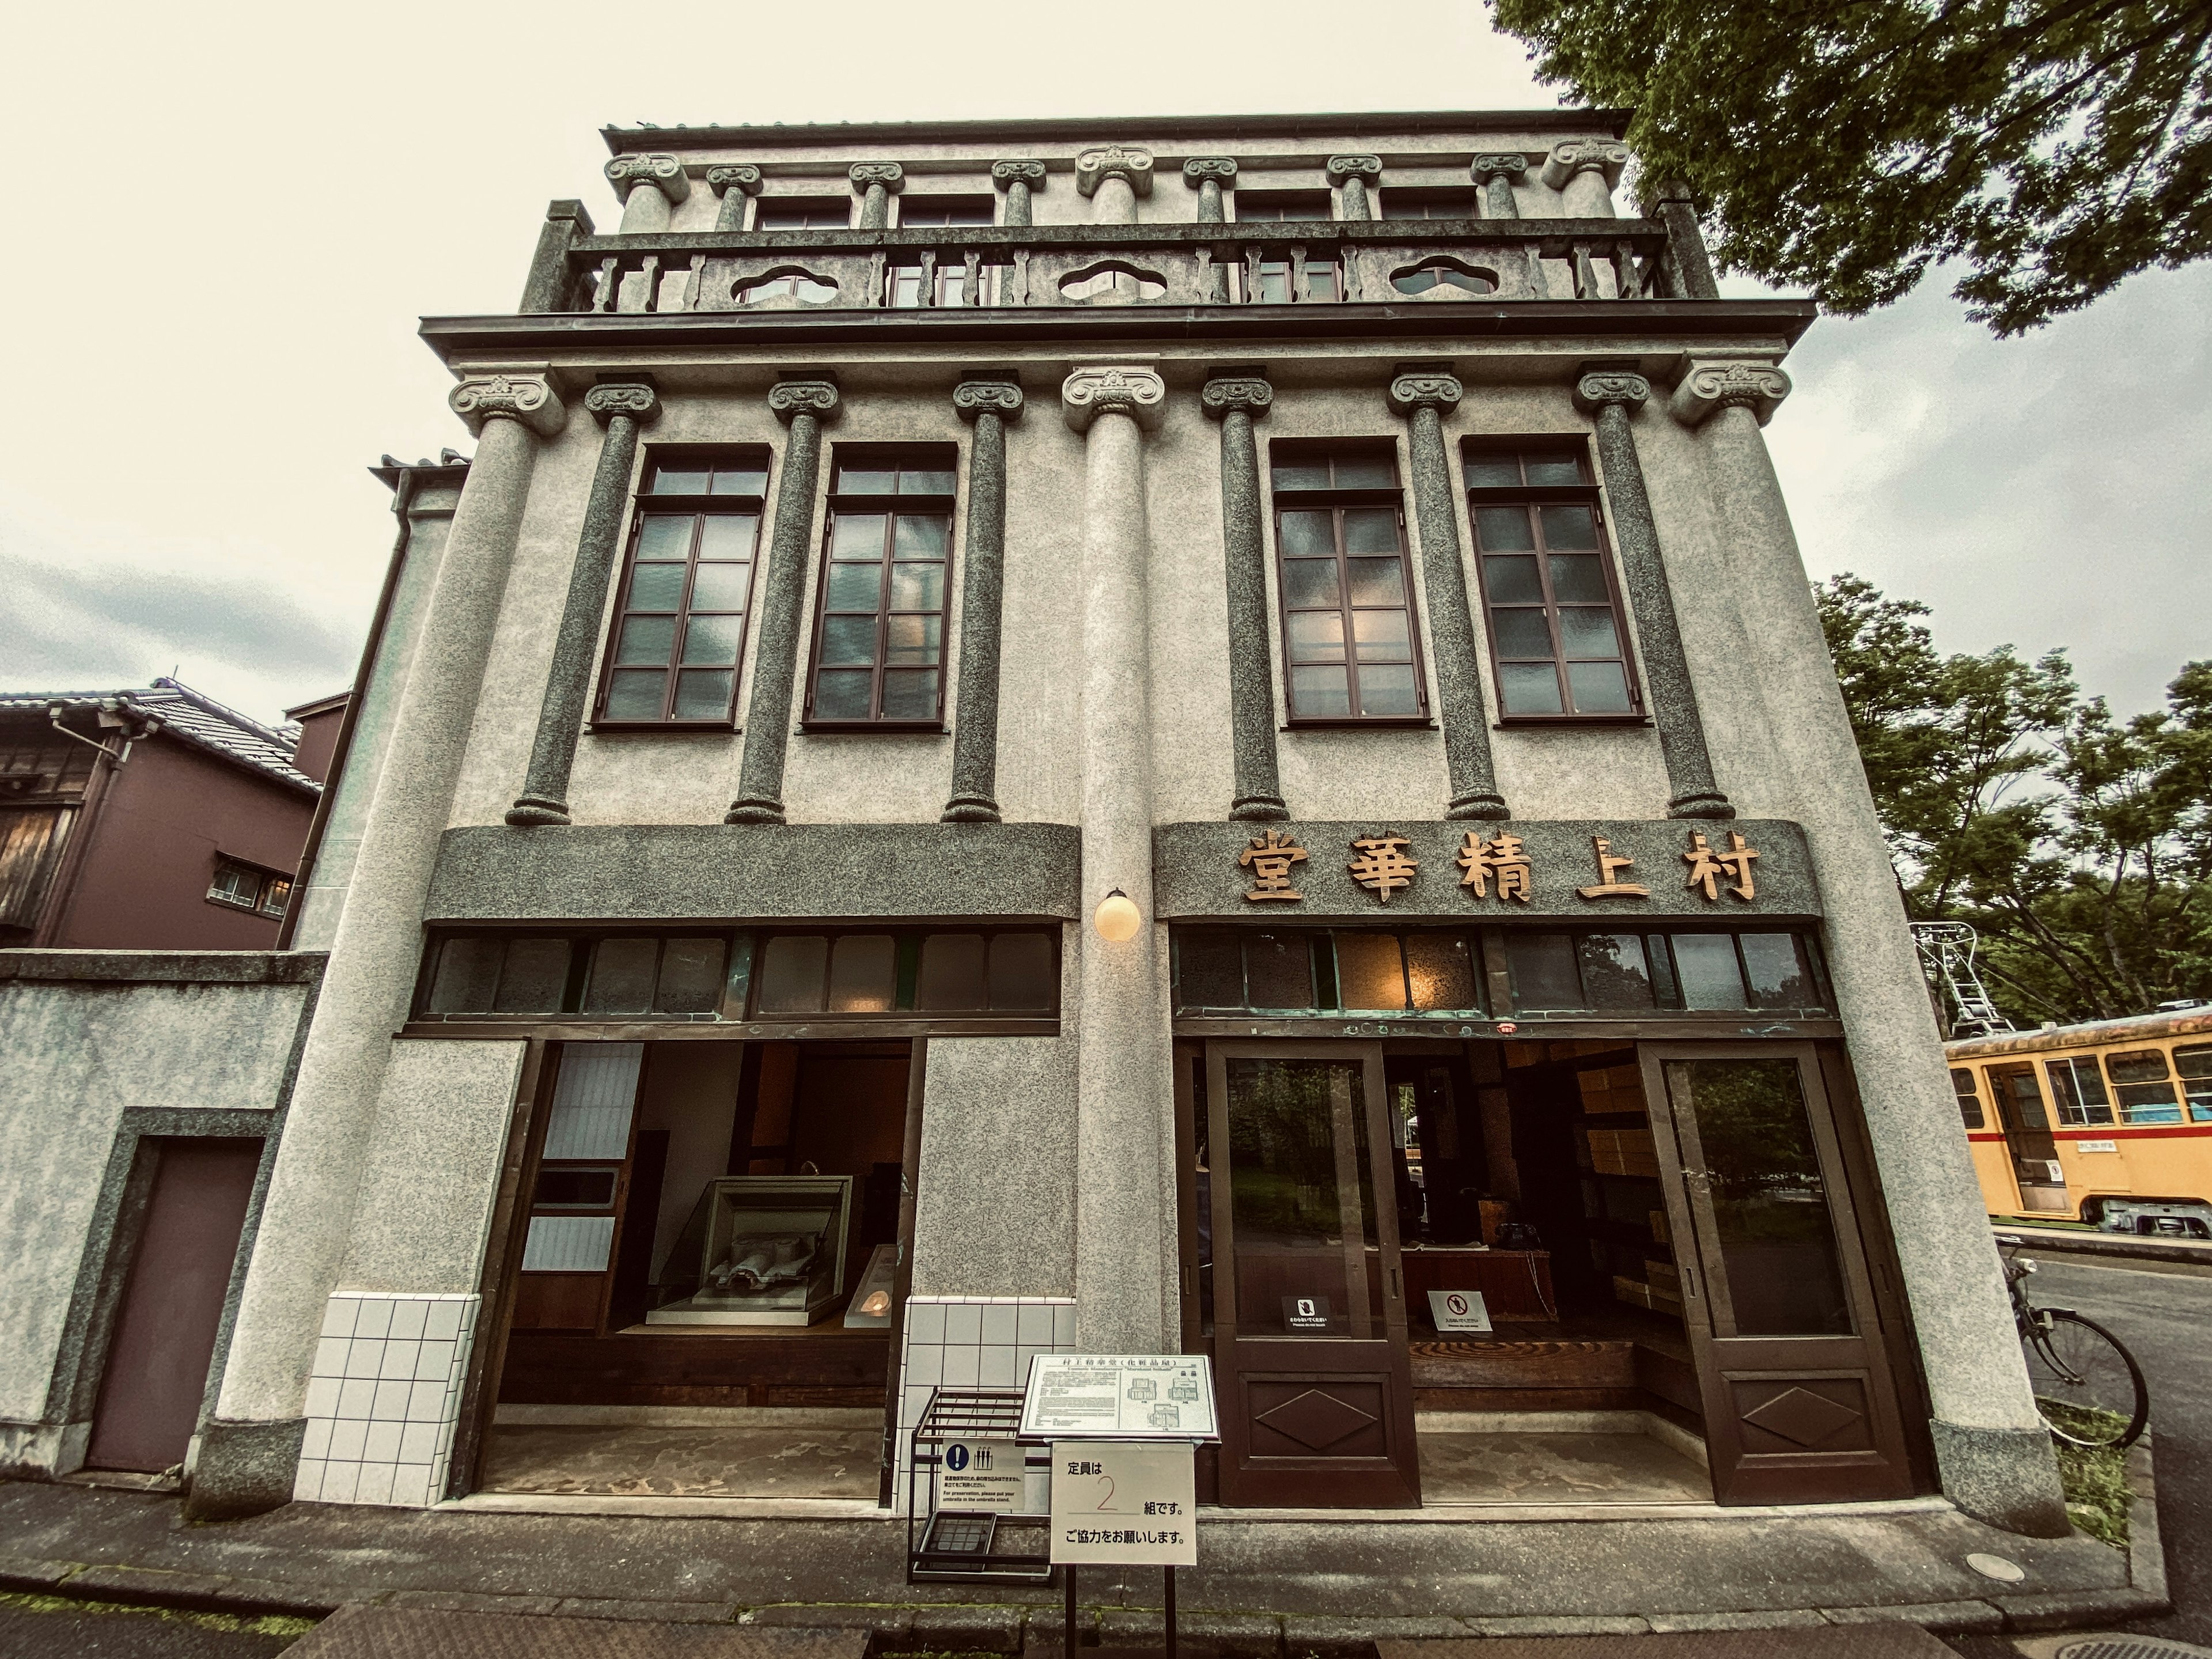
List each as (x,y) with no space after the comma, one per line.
(152,818)
(1123,736)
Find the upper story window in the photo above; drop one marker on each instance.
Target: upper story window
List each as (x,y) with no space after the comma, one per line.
(245,887)
(1281,278)
(1275,206)
(803,213)
(879,615)
(933,212)
(1398,202)
(1547,582)
(679,626)
(1349,643)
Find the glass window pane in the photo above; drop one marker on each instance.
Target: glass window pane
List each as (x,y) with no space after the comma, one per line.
(1308,582)
(740,480)
(863,974)
(1316,635)
(1370,530)
(854,588)
(913,642)
(847,641)
(858,536)
(712,641)
(1321,280)
(647,640)
(1493,472)
(1568,527)
(727,535)
(921,536)
(2148,1103)
(2090,1081)
(1300,1228)
(720,587)
(1503,529)
(2137,1065)
(679,481)
(1023,980)
(1543,969)
(866,479)
(665,536)
(622,976)
(636,694)
(1301,475)
(1209,968)
(1370,972)
(1706,965)
(468,970)
(1599,688)
(1769,1202)
(1562,467)
(1578,579)
(1775,964)
(1377,581)
(917,587)
(844,694)
(1442,968)
(1529,687)
(703,693)
(1388,690)
(928,480)
(1308,532)
(1374,471)
(1319,694)
(1614,971)
(566,1187)
(1586,630)
(1512,580)
(1521,633)
(535,978)
(910,694)
(952,972)
(1380,636)
(657,587)
(2194,1061)
(792,971)
(1279,971)
(690,976)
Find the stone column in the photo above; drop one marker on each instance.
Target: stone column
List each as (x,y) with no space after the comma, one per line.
(546,288)
(1113,178)
(1613,396)
(987,405)
(804,406)
(624,408)
(1020,178)
(1991,1451)
(877,182)
(1209,175)
(1236,401)
(1351,175)
(1424,398)
(1495,175)
(250,1451)
(1584,174)
(1669,201)
(734,184)
(1125,1095)
(648,187)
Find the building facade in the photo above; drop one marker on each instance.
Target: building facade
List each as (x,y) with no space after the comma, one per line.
(1199,736)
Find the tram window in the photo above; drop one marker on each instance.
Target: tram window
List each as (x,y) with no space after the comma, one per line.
(2194,1062)
(2145,1088)
(2079,1089)
(1969,1103)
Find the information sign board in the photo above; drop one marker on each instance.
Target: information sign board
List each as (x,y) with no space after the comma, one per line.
(1124,1504)
(1458,1311)
(1128,1396)
(980,1475)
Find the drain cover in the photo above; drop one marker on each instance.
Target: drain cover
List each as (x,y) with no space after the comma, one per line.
(1997,1567)
(2130,1647)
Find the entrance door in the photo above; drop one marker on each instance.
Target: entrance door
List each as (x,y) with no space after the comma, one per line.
(2026,1123)
(1793,1366)
(165,1332)
(1310,1310)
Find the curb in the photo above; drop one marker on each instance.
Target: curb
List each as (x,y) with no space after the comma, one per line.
(2146,1549)
(2120,1245)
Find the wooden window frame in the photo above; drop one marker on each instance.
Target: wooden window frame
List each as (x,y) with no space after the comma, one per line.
(1251,203)
(1427,196)
(986,205)
(644,501)
(765,205)
(1336,503)
(898,456)
(1587,494)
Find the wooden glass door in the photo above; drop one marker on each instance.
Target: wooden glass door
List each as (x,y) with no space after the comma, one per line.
(1309,1313)
(1793,1364)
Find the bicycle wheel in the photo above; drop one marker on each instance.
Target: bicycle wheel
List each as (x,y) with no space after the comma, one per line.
(2087,1385)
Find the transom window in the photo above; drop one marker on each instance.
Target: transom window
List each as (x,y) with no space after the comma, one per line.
(879,629)
(803,213)
(679,629)
(1403,203)
(1547,583)
(1282,206)
(1349,648)
(930,212)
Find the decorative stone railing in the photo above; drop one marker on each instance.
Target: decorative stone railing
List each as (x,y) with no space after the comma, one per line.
(1370,262)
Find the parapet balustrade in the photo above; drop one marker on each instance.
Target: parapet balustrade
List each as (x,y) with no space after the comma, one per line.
(1316,262)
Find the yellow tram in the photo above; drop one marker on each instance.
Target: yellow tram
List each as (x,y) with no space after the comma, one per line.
(2108,1123)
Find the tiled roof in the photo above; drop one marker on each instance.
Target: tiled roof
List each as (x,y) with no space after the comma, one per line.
(195,718)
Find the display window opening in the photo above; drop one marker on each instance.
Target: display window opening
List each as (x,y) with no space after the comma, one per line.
(704,1300)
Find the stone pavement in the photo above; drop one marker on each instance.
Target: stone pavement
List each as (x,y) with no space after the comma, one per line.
(1265,1587)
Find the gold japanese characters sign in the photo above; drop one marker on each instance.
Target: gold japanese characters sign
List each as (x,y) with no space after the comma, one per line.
(1380,865)
(1270,857)
(1500,867)
(1501,858)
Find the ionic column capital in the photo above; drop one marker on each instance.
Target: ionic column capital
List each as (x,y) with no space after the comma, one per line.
(743,178)
(789,399)
(1020,173)
(1427,389)
(1001,398)
(1246,394)
(638,399)
(528,399)
(1601,388)
(1499,165)
(664,173)
(889,175)
(1221,169)
(1709,387)
(1094,167)
(1089,392)
(1367,167)
(1584,156)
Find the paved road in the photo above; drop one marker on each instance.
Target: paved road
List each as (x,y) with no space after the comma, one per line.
(39,1628)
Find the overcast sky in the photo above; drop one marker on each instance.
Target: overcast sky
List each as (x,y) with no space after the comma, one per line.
(229,217)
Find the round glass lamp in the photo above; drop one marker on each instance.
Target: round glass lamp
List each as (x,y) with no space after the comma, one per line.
(1117,918)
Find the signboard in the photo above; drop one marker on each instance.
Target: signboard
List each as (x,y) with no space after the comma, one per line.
(2096,1145)
(871,1306)
(1305,1313)
(1124,1504)
(980,1475)
(1458,1311)
(1146,1396)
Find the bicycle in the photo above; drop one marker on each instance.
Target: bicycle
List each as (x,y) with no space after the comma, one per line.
(2087,1385)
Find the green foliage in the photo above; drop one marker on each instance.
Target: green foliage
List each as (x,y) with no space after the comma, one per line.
(2078,844)
(2093,1478)
(2054,146)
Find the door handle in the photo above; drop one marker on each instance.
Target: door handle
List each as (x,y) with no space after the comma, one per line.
(1395,1293)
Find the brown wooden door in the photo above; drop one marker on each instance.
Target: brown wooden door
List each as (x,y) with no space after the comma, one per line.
(165,1331)
(1793,1364)
(1315,1388)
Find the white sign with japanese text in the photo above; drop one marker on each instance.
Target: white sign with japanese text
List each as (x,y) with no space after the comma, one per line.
(1458,1311)
(1124,1504)
(980,1475)
(1128,1396)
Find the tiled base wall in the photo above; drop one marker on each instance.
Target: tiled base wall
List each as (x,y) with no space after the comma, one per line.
(384,1397)
(974,1341)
